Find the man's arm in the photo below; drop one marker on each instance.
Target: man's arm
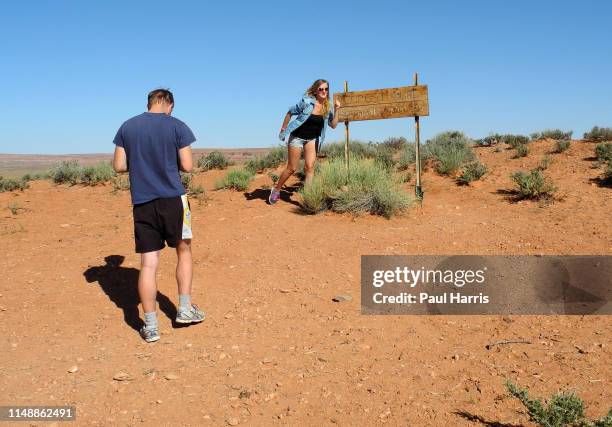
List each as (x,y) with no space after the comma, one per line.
(120,160)
(185,159)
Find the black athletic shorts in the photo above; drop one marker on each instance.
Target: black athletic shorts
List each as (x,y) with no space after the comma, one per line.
(159,221)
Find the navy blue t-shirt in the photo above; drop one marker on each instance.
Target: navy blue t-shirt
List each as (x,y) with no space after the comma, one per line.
(151,142)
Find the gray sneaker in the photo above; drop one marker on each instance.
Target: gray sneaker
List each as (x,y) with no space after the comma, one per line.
(149,334)
(191,315)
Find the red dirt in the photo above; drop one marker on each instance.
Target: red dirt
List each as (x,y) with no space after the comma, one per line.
(275,349)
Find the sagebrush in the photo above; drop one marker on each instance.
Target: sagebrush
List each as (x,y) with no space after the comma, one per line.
(562,409)
(214,160)
(237,179)
(599,134)
(533,185)
(450,151)
(372,188)
(472,172)
(273,159)
(552,134)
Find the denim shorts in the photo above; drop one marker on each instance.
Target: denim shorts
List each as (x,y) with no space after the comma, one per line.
(298,142)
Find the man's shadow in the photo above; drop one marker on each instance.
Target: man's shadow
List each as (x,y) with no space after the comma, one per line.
(121,286)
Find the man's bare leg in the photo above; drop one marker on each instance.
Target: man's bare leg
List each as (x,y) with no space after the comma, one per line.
(147,287)
(187,312)
(184,267)
(147,290)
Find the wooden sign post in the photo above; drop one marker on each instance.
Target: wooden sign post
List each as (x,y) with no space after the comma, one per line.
(346,142)
(406,101)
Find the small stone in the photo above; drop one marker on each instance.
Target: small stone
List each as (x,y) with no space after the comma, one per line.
(159,402)
(73,369)
(122,376)
(342,298)
(222,356)
(170,376)
(233,421)
(285,291)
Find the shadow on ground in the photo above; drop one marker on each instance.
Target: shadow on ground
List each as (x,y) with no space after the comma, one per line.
(120,284)
(263,194)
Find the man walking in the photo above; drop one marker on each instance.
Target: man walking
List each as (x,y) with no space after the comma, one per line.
(153,146)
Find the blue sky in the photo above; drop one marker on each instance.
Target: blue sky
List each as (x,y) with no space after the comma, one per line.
(74,71)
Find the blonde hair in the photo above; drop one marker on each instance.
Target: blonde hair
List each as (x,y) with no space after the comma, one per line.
(312,91)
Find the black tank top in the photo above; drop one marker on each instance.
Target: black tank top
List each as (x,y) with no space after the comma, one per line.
(310,129)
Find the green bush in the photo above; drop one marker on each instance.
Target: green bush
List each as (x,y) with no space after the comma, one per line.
(408,156)
(489,141)
(94,175)
(603,151)
(552,134)
(514,141)
(394,143)
(607,177)
(67,172)
(186,178)
(599,134)
(384,157)
(120,182)
(522,150)
(356,149)
(472,172)
(564,409)
(545,163)
(451,150)
(562,145)
(214,160)
(372,189)
(237,179)
(273,159)
(533,185)
(8,184)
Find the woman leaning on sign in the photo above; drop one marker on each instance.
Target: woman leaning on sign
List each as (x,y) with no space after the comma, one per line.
(306,132)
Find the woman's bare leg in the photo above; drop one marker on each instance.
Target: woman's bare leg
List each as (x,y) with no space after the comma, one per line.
(293,160)
(310,156)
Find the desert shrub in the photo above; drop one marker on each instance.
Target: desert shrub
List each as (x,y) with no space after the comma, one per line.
(94,175)
(394,143)
(384,157)
(522,150)
(356,149)
(599,134)
(9,184)
(186,178)
(195,190)
(607,175)
(237,179)
(451,150)
(603,151)
(545,163)
(489,141)
(562,145)
(552,134)
(273,159)
(214,160)
(533,185)
(563,409)
(372,188)
(514,141)
(67,172)
(40,175)
(472,172)
(120,182)
(408,156)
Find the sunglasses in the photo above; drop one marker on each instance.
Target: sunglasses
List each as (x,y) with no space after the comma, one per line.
(323,89)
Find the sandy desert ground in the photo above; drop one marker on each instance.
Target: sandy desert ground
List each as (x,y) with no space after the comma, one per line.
(275,349)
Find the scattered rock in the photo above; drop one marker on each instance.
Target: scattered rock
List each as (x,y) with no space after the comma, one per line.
(233,421)
(171,376)
(122,376)
(73,369)
(285,291)
(342,298)
(222,356)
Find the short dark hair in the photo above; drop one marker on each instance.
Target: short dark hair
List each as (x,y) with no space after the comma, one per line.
(158,96)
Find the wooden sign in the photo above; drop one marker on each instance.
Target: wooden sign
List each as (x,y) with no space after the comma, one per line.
(406,101)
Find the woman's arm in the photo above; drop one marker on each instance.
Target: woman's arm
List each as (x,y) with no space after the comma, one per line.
(285,122)
(334,122)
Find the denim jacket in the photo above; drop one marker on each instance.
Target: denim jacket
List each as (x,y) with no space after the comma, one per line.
(303,110)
